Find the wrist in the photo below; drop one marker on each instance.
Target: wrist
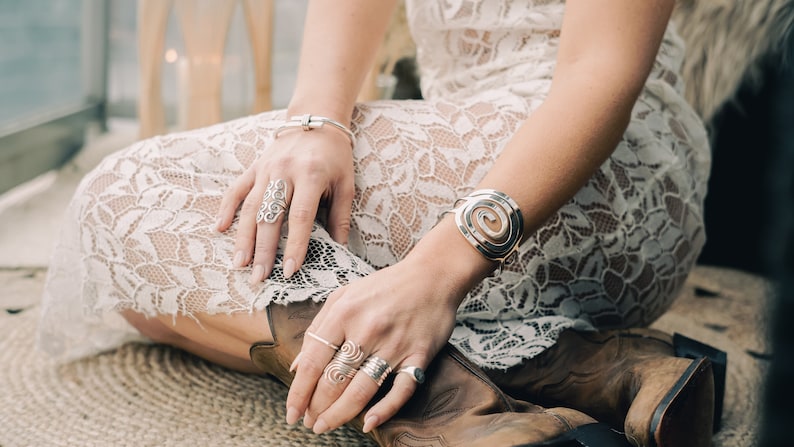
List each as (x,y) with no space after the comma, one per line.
(335,109)
(446,255)
(308,122)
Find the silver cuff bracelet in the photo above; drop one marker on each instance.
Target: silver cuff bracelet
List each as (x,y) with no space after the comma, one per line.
(309,122)
(492,223)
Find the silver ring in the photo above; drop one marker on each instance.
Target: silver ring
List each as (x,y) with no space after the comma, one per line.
(274,202)
(376,368)
(345,363)
(414,372)
(322,340)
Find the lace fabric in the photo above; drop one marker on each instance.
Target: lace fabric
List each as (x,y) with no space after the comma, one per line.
(139,235)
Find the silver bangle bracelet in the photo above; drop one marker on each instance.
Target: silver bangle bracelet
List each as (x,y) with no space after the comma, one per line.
(310,122)
(492,223)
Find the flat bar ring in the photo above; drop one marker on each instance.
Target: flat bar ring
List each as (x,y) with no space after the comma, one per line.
(414,372)
(322,340)
(345,363)
(274,202)
(376,368)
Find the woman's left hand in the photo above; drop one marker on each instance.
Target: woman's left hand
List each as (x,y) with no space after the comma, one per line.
(402,314)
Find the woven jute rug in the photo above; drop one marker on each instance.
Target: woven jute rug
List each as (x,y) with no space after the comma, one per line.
(142,395)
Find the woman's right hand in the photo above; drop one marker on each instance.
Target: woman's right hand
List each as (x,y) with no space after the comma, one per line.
(315,165)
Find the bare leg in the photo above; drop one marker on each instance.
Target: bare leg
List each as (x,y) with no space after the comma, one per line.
(222,339)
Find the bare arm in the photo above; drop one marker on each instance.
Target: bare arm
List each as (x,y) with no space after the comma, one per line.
(607,49)
(339,45)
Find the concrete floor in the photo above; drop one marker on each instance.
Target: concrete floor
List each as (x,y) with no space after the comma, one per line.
(30,214)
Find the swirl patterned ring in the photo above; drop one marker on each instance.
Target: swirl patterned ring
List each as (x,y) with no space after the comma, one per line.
(344,364)
(492,223)
(376,368)
(274,202)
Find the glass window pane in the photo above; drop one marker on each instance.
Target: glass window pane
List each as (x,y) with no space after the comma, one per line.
(40,57)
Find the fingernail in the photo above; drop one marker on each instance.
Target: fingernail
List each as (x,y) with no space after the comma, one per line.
(292,415)
(258,274)
(289,268)
(308,420)
(238,259)
(320,427)
(369,423)
(218,223)
(294,366)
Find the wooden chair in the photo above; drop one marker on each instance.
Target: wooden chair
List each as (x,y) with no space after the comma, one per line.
(205,24)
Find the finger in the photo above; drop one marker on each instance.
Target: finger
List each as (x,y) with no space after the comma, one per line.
(402,389)
(265,249)
(270,216)
(339,213)
(335,379)
(353,400)
(314,358)
(302,212)
(246,227)
(232,198)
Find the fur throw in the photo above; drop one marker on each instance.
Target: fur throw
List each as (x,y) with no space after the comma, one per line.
(728,42)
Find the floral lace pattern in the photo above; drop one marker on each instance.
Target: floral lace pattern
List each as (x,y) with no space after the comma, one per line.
(139,234)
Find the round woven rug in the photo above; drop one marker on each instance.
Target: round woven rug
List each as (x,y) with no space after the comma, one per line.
(144,395)
(139,395)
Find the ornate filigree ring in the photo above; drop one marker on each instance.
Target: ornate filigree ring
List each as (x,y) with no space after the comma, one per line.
(274,202)
(376,368)
(345,363)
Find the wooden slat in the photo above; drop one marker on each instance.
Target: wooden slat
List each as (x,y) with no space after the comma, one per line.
(152,23)
(259,17)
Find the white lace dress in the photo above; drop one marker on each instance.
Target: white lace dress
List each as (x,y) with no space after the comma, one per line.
(139,230)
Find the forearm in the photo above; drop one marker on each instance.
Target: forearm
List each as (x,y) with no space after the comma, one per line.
(339,45)
(554,153)
(546,162)
(606,53)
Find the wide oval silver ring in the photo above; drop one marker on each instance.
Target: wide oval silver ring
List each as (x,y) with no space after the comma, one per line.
(376,368)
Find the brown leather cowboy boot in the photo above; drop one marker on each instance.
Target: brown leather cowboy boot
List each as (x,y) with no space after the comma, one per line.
(630,379)
(457,404)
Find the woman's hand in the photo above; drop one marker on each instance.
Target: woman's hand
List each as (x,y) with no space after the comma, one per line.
(398,314)
(314,165)
(402,314)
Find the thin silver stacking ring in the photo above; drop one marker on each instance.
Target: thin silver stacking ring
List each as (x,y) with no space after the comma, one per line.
(414,372)
(376,368)
(274,202)
(322,340)
(345,363)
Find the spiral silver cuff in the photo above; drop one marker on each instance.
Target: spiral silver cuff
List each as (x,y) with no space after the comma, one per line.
(492,223)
